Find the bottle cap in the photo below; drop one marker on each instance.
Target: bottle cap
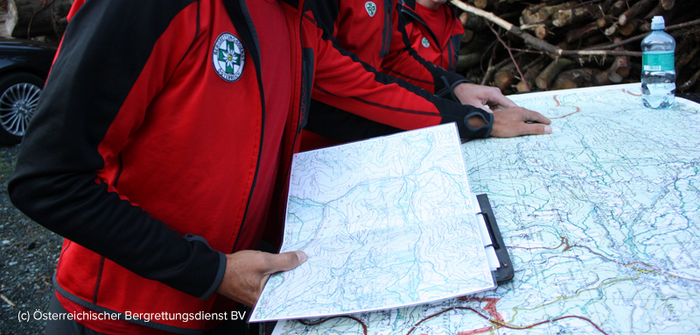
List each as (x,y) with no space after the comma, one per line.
(657,23)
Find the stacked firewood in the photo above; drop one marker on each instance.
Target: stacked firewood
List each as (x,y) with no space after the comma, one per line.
(522,46)
(516,45)
(30,19)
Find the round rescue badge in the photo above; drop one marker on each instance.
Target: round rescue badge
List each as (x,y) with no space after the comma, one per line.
(371,8)
(425,42)
(228,57)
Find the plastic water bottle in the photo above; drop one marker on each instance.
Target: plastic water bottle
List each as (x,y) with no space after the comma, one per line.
(658,71)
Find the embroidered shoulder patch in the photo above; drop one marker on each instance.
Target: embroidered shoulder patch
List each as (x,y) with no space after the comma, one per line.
(228,57)
(371,8)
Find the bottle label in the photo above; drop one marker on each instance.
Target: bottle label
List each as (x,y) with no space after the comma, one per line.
(658,61)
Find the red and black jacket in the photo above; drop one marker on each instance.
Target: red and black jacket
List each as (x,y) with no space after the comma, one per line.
(145,159)
(442,48)
(379,40)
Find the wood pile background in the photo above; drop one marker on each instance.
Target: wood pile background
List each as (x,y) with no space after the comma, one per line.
(539,45)
(516,45)
(34,19)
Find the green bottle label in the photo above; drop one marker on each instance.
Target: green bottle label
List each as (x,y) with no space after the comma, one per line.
(658,61)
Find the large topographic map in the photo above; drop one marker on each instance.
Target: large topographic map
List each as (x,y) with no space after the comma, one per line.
(601,219)
(386,223)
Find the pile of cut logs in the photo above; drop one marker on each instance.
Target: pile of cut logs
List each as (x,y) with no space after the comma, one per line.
(45,19)
(516,45)
(522,46)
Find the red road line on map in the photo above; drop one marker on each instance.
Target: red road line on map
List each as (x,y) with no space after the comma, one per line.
(578,109)
(630,93)
(476,331)
(490,306)
(503,324)
(364,327)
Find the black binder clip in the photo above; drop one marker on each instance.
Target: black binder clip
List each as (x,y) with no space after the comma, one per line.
(505,271)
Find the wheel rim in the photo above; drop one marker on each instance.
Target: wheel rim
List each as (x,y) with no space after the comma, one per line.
(17,107)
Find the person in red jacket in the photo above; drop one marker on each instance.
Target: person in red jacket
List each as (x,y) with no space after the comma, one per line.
(161,148)
(372,31)
(433,30)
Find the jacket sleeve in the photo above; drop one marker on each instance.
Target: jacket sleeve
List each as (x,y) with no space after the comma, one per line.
(405,63)
(343,81)
(56,181)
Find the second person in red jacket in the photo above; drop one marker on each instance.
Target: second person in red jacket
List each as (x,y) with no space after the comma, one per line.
(371,32)
(433,30)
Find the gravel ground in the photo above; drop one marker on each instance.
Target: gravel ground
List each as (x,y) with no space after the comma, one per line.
(28,257)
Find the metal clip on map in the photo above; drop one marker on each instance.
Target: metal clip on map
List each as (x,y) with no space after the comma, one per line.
(505,271)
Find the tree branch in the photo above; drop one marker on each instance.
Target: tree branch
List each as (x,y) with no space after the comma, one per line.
(538,43)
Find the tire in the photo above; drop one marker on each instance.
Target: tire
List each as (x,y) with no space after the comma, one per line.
(19,96)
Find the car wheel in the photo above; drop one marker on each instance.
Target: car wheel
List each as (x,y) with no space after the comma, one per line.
(19,96)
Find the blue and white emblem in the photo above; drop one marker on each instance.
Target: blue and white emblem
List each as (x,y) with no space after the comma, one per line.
(228,57)
(371,8)
(425,42)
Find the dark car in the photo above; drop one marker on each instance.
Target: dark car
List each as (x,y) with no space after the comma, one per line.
(24,66)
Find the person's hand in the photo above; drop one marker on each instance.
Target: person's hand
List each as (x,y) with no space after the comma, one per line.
(487,98)
(518,121)
(247,272)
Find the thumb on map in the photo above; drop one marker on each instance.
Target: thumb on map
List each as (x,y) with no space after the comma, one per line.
(286,261)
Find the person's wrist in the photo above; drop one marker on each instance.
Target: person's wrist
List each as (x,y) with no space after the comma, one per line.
(457,89)
(460,91)
(479,123)
(476,121)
